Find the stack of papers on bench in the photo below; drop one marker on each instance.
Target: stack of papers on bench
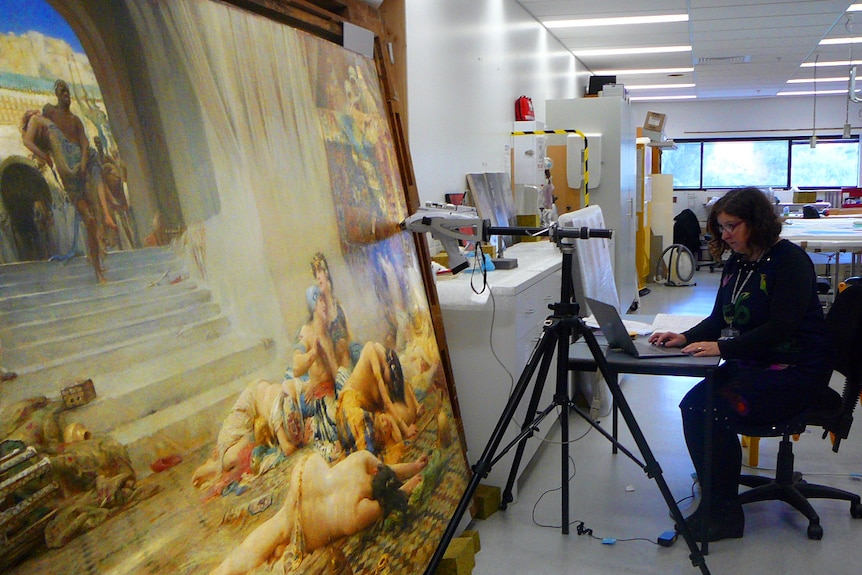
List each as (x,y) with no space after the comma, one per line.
(662,322)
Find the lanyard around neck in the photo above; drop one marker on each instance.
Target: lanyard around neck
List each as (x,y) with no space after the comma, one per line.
(737,287)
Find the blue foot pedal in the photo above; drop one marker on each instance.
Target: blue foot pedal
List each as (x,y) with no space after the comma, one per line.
(608,541)
(667,538)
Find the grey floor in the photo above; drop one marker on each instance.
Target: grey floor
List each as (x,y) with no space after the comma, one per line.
(612,497)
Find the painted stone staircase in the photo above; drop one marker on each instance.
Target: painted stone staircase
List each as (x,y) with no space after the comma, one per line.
(164,361)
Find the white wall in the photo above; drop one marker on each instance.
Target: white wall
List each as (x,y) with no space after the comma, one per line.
(467,62)
(778,116)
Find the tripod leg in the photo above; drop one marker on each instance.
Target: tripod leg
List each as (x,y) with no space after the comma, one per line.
(531,410)
(652,468)
(544,348)
(561,398)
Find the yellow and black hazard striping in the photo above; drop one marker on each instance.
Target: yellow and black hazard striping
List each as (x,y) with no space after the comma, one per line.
(586,153)
(543,132)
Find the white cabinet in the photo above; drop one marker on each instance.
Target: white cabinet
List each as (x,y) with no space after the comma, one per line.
(500,326)
(616,193)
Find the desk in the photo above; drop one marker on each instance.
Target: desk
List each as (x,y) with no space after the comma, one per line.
(830,234)
(580,359)
(795,208)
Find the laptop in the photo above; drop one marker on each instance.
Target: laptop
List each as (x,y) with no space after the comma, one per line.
(618,336)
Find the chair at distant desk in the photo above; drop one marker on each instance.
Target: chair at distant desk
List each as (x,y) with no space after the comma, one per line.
(830,411)
(704,256)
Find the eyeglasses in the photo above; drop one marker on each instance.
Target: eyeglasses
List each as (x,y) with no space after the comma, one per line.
(729,227)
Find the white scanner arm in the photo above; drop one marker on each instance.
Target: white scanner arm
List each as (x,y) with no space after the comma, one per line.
(448,223)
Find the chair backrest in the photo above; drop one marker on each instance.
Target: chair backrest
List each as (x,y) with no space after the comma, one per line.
(845,324)
(810,213)
(686,230)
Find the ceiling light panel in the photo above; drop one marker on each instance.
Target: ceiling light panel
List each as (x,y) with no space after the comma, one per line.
(643,71)
(840,41)
(632,51)
(819,80)
(831,63)
(615,21)
(665,97)
(639,87)
(811,92)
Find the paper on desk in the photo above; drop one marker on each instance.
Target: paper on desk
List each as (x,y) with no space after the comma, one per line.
(637,327)
(674,322)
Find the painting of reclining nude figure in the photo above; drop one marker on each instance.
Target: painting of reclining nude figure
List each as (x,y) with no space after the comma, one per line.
(260,390)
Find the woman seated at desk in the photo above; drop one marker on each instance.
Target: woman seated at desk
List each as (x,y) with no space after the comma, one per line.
(767,323)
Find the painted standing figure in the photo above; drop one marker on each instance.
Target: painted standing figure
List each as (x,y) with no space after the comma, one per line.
(57,137)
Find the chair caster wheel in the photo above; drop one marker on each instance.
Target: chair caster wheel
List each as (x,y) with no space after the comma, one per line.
(856,510)
(815,532)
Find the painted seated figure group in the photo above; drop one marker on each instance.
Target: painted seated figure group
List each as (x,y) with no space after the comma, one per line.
(337,396)
(349,403)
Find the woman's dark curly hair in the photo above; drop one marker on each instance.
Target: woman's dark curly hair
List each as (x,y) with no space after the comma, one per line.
(751,206)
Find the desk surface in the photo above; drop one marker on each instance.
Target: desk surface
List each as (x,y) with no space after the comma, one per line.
(836,233)
(580,359)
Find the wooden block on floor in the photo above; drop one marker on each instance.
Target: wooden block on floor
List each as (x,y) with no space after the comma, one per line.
(487,499)
(459,558)
(473,536)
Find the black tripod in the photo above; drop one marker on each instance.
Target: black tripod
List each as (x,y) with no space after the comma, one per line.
(561,327)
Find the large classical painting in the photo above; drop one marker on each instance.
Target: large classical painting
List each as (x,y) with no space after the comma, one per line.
(233,373)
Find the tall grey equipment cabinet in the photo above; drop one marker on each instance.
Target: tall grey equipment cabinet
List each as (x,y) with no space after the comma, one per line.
(615,193)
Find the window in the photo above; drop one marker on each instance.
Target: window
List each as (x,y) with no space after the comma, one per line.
(765,162)
(684,164)
(832,163)
(732,164)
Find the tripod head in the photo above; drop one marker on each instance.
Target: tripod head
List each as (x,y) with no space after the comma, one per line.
(449,223)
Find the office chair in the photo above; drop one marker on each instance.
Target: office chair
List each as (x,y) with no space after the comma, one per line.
(810,212)
(830,411)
